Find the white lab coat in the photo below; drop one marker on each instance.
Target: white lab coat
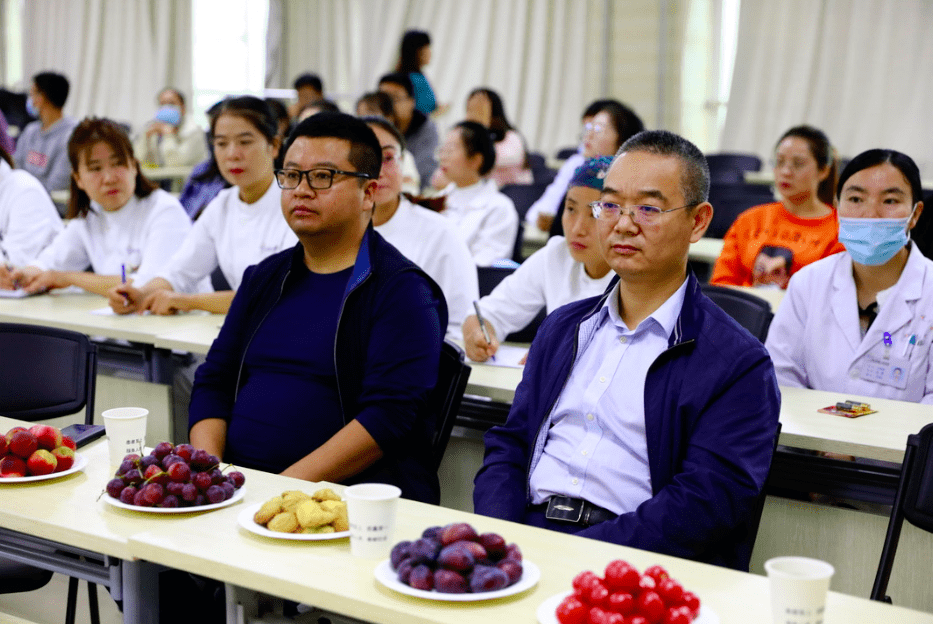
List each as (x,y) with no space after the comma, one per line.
(815,340)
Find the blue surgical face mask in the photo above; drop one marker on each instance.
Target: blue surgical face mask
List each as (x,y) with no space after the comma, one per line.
(169,114)
(31,108)
(873,242)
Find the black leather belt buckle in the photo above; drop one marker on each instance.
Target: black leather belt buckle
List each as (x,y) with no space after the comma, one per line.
(565,509)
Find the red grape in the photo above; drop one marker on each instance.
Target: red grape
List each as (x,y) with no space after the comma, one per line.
(215,494)
(115,487)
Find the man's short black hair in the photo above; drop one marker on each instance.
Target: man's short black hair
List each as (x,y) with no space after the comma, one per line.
(309,80)
(403,80)
(53,86)
(694,171)
(365,151)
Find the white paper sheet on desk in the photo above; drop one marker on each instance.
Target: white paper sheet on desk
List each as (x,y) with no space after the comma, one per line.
(508,356)
(19,293)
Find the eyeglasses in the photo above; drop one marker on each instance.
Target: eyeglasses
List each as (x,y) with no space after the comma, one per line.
(642,215)
(318,179)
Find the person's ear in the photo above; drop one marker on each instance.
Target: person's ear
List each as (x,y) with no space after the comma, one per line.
(702,216)
(916,218)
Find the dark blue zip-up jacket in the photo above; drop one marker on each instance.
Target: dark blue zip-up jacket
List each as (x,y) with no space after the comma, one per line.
(386,354)
(711,412)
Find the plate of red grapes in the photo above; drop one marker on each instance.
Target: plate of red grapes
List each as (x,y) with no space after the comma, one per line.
(173,479)
(623,595)
(454,563)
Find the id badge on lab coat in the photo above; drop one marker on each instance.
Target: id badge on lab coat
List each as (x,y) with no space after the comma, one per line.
(888,371)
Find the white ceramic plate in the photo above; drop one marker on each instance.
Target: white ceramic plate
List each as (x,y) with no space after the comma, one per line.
(246,521)
(80,463)
(237,496)
(387,576)
(546,611)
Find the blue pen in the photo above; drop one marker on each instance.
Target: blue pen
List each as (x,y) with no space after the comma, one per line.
(909,347)
(126,302)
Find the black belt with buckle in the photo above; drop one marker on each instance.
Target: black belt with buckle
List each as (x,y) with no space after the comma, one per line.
(574,511)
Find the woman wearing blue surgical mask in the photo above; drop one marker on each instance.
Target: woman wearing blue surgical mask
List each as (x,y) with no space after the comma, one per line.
(171,139)
(861,322)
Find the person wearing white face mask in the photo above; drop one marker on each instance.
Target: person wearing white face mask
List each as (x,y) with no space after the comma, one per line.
(861,322)
(171,138)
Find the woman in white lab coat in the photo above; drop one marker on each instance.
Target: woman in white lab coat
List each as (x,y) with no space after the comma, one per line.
(860,322)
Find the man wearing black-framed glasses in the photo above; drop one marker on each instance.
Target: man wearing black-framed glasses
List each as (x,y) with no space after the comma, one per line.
(645,417)
(322,368)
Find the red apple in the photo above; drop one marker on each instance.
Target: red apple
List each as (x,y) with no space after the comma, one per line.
(42,462)
(4,446)
(65,457)
(12,466)
(23,444)
(47,436)
(66,441)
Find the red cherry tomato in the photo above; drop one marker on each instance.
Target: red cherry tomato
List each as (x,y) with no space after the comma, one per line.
(650,605)
(615,618)
(692,602)
(676,616)
(571,611)
(598,596)
(598,616)
(671,592)
(637,619)
(621,602)
(646,583)
(584,580)
(657,573)
(622,577)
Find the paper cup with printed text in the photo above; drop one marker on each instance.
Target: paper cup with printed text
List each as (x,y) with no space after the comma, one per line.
(126,431)
(371,509)
(798,589)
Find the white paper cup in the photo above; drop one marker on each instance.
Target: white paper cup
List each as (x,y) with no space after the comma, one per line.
(126,431)
(798,589)
(371,511)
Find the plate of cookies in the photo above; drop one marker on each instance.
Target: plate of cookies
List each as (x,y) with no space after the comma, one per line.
(296,515)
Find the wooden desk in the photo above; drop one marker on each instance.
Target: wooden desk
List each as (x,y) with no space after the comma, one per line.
(771,295)
(175,174)
(706,250)
(66,511)
(327,576)
(72,310)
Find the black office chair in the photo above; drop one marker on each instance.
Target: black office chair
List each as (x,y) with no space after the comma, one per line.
(730,199)
(452,376)
(913,502)
(754,521)
(48,373)
(751,312)
(523,196)
(728,167)
(489,278)
(566,152)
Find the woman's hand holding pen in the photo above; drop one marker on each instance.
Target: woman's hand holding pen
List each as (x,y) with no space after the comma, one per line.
(474,342)
(34,280)
(125,298)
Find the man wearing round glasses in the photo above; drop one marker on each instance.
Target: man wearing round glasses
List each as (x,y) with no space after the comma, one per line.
(645,417)
(322,368)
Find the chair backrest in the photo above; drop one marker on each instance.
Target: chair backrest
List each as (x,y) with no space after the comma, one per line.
(523,196)
(566,152)
(452,376)
(490,276)
(751,312)
(913,502)
(729,200)
(46,372)
(754,521)
(731,167)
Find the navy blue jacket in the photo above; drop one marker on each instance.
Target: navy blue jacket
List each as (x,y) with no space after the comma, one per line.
(386,353)
(711,412)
